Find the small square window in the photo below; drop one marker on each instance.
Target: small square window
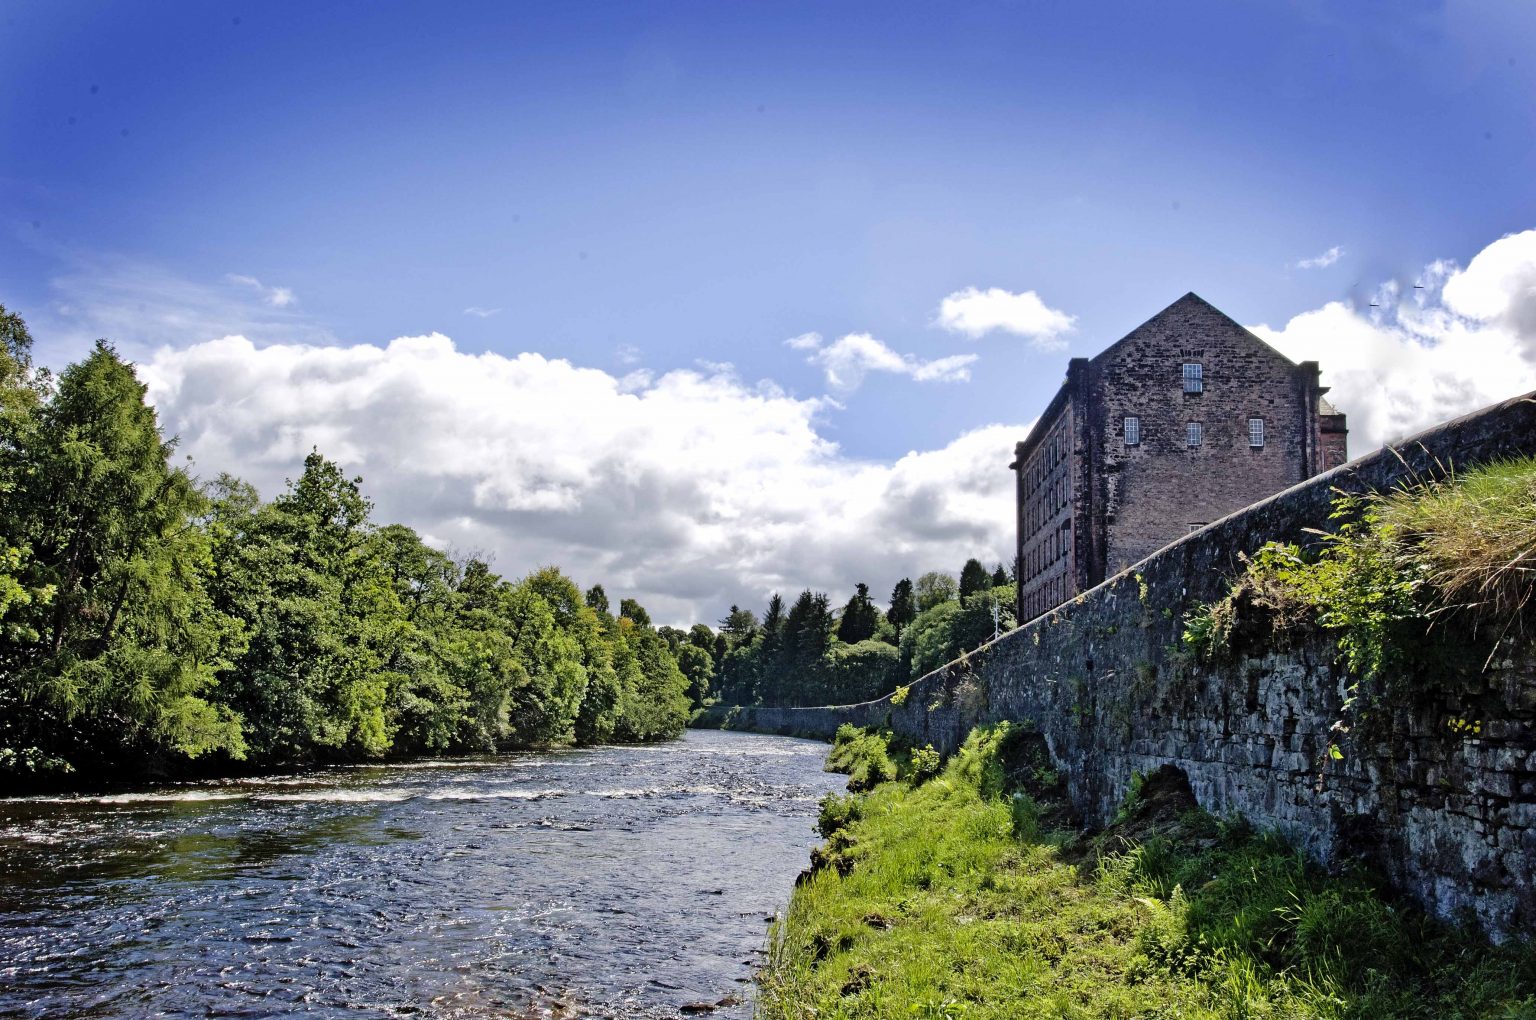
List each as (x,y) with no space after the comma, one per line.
(1195,433)
(1132,431)
(1194,377)
(1255,432)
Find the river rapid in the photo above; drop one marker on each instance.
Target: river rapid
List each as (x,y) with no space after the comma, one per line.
(601,882)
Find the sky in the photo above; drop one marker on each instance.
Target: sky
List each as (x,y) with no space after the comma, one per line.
(704,301)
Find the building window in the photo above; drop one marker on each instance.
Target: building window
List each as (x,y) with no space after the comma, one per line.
(1195,526)
(1194,377)
(1255,432)
(1195,433)
(1132,431)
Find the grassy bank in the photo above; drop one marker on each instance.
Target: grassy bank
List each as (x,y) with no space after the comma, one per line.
(970,894)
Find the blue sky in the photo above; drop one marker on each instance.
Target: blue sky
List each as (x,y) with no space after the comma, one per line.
(659,188)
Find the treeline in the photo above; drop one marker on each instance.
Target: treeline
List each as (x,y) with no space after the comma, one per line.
(147,620)
(809,654)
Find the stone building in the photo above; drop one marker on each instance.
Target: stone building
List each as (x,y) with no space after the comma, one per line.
(1187,418)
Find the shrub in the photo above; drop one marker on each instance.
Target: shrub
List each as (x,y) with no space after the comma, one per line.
(926,763)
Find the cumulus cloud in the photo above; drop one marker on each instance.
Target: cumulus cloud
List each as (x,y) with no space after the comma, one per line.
(277,297)
(847,360)
(979,312)
(481,313)
(1463,339)
(1322,261)
(691,490)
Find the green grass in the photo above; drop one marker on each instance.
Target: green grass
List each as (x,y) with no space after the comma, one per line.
(947,899)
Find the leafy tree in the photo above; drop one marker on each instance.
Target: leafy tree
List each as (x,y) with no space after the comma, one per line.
(930,641)
(935,588)
(597,598)
(860,617)
(862,671)
(698,667)
(1000,576)
(739,626)
(117,663)
(903,606)
(974,578)
(634,611)
(653,703)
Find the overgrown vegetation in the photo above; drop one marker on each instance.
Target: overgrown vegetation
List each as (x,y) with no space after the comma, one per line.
(148,620)
(1459,553)
(959,897)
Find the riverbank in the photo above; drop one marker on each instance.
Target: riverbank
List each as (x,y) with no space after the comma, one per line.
(972,894)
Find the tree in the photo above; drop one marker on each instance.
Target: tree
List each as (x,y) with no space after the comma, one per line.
(635,612)
(999,576)
(117,664)
(974,578)
(860,617)
(597,598)
(903,606)
(695,664)
(739,625)
(933,589)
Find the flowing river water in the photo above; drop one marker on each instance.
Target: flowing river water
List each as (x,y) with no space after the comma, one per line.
(603,882)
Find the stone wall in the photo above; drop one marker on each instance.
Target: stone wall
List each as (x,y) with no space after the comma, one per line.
(1450,818)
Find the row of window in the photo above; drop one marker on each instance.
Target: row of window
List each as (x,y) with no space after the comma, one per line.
(1194,432)
(1046,552)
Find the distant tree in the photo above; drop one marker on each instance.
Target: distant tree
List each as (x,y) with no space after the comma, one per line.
(860,617)
(903,606)
(597,598)
(862,672)
(696,664)
(807,636)
(739,625)
(974,578)
(999,576)
(674,638)
(934,589)
(634,612)
(700,636)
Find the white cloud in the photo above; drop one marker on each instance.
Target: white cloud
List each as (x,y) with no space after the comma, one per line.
(1465,340)
(847,360)
(481,313)
(978,312)
(277,297)
(627,354)
(691,490)
(1322,261)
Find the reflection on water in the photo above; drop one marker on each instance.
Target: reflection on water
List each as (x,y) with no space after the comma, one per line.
(617,882)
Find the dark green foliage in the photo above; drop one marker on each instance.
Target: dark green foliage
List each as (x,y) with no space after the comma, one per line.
(117,662)
(629,609)
(597,599)
(862,672)
(145,622)
(861,618)
(903,605)
(698,667)
(801,656)
(974,578)
(1000,577)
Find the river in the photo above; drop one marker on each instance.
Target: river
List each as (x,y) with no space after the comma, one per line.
(602,882)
